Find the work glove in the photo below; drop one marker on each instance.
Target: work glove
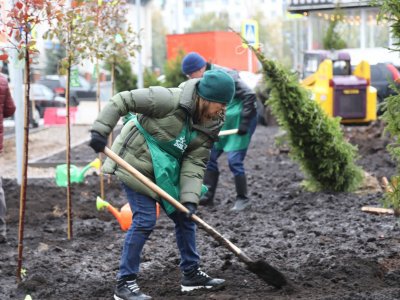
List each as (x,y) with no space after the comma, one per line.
(97,142)
(191,207)
(242,130)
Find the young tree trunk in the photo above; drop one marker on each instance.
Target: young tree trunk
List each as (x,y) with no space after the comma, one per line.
(110,137)
(68,154)
(24,162)
(101,177)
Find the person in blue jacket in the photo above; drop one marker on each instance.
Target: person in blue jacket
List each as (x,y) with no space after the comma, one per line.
(241,114)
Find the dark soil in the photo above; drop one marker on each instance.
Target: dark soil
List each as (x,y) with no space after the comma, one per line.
(326,247)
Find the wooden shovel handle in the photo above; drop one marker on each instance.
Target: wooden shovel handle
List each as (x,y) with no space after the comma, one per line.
(228,132)
(150,184)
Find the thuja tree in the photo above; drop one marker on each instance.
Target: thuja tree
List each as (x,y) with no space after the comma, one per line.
(391,116)
(315,139)
(20,23)
(53,57)
(124,79)
(72,32)
(390,11)
(173,71)
(332,39)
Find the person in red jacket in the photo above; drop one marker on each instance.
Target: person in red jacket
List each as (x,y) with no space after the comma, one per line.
(7,109)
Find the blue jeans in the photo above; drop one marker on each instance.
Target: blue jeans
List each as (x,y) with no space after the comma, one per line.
(235,158)
(143,222)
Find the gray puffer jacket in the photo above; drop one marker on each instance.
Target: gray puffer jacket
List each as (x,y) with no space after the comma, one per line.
(162,113)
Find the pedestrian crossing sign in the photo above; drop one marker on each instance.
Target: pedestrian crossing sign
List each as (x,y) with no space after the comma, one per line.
(250,33)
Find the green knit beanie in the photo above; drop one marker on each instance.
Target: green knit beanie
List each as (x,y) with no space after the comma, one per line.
(216,86)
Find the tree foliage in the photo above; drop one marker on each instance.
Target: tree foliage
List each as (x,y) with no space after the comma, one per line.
(112,36)
(150,78)
(53,57)
(125,80)
(271,34)
(210,22)
(316,140)
(332,39)
(390,11)
(158,47)
(391,116)
(173,71)
(73,33)
(21,22)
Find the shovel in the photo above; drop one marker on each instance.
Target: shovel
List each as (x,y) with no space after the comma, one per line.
(76,174)
(228,132)
(261,268)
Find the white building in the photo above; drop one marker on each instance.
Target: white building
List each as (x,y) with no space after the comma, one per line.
(141,22)
(179,14)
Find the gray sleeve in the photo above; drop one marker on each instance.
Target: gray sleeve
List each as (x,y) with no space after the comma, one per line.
(153,102)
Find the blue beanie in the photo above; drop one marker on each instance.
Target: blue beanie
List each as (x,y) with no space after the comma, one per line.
(216,86)
(192,62)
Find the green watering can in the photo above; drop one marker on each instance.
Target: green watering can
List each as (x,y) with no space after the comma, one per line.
(76,174)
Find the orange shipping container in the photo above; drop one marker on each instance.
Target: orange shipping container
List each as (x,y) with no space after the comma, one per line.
(217,47)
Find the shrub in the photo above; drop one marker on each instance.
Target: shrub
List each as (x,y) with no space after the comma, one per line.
(150,78)
(316,141)
(173,74)
(390,11)
(125,80)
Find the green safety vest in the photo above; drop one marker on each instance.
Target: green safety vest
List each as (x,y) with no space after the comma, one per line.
(233,142)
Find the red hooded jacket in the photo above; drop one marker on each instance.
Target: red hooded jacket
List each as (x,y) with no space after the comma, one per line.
(7,106)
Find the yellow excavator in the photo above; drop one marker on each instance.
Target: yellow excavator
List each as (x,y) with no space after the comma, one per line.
(340,91)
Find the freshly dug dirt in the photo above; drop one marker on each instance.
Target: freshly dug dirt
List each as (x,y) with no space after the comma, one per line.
(326,247)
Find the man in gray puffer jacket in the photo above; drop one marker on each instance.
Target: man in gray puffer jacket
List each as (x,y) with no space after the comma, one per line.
(169,141)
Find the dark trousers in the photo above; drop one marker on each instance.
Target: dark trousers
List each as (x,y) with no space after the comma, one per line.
(235,158)
(143,222)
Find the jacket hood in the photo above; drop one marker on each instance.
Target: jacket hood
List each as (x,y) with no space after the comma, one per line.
(189,89)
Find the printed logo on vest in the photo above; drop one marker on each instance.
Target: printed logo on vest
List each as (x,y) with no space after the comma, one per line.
(181,144)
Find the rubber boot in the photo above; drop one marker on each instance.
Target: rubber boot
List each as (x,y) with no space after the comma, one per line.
(210,180)
(242,201)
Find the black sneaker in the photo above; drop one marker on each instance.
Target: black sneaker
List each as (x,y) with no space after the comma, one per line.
(128,290)
(197,279)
